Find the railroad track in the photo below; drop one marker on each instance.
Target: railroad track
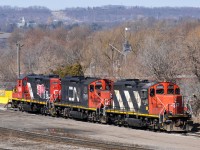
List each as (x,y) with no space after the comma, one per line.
(89,143)
(197,134)
(194,134)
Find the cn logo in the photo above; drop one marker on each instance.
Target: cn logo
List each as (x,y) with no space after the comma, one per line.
(175,105)
(73,96)
(40,90)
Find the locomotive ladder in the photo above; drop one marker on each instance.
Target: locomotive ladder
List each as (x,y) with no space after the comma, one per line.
(161,114)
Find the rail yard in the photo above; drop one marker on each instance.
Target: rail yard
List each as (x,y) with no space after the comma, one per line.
(111,77)
(21,130)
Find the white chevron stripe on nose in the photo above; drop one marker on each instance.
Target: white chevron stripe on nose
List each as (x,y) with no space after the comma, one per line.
(129,100)
(119,99)
(138,98)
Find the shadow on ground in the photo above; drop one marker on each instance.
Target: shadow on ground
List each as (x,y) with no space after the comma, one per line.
(196,127)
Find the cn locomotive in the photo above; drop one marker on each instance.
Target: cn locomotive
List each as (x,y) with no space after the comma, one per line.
(127,102)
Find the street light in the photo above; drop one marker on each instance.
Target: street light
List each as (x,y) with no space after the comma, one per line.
(125,34)
(126,45)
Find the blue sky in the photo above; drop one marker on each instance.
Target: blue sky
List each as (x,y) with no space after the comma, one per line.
(62,4)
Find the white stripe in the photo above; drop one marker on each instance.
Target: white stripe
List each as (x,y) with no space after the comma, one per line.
(138,98)
(113,103)
(75,94)
(30,90)
(129,100)
(119,98)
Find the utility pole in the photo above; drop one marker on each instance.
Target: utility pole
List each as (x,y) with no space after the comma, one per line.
(18,58)
(112,56)
(126,47)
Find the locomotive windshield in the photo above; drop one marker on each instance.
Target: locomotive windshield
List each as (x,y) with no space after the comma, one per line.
(170,89)
(160,89)
(98,86)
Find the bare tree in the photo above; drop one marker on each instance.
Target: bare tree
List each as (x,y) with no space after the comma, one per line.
(193,52)
(8,68)
(47,55)
(158,60)
(192,44)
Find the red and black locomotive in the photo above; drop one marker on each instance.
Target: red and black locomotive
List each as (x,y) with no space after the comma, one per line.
(128,102)
(155,105)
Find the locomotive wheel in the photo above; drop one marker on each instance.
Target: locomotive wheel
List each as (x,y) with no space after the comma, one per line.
(52,112)
(20,107)
(66,113)
(103,119)
(43,111)
(93,118)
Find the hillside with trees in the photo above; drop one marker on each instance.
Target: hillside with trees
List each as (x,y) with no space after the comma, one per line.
(99,17)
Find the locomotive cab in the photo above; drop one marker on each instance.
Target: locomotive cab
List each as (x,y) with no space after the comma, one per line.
(21,89)
(87,92)
(166,102)
(165,98)
(100,93)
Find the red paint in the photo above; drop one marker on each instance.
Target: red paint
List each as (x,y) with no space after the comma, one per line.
(21,89)
(100,93)
(165,102)
(55,90)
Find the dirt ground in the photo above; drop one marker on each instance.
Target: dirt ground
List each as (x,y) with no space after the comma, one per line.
(60,126)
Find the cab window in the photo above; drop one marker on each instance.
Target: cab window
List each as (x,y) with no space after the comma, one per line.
(19,82)
(152,92)
(177,91)
(91,88)
(98,86)
(24,82)
(160,89)
(170,89)
(108,85)
(144,94)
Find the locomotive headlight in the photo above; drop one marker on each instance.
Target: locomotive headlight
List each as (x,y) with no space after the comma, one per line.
(111,95)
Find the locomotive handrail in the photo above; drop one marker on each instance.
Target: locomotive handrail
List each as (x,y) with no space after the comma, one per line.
(164,107)
(100,98)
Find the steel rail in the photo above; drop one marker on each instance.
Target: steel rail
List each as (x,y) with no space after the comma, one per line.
(89,143)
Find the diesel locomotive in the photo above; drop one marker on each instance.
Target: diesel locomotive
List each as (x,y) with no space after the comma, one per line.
(154,105)
(127,102)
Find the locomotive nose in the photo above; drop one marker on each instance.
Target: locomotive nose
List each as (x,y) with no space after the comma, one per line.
(176,106)
(106,96)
